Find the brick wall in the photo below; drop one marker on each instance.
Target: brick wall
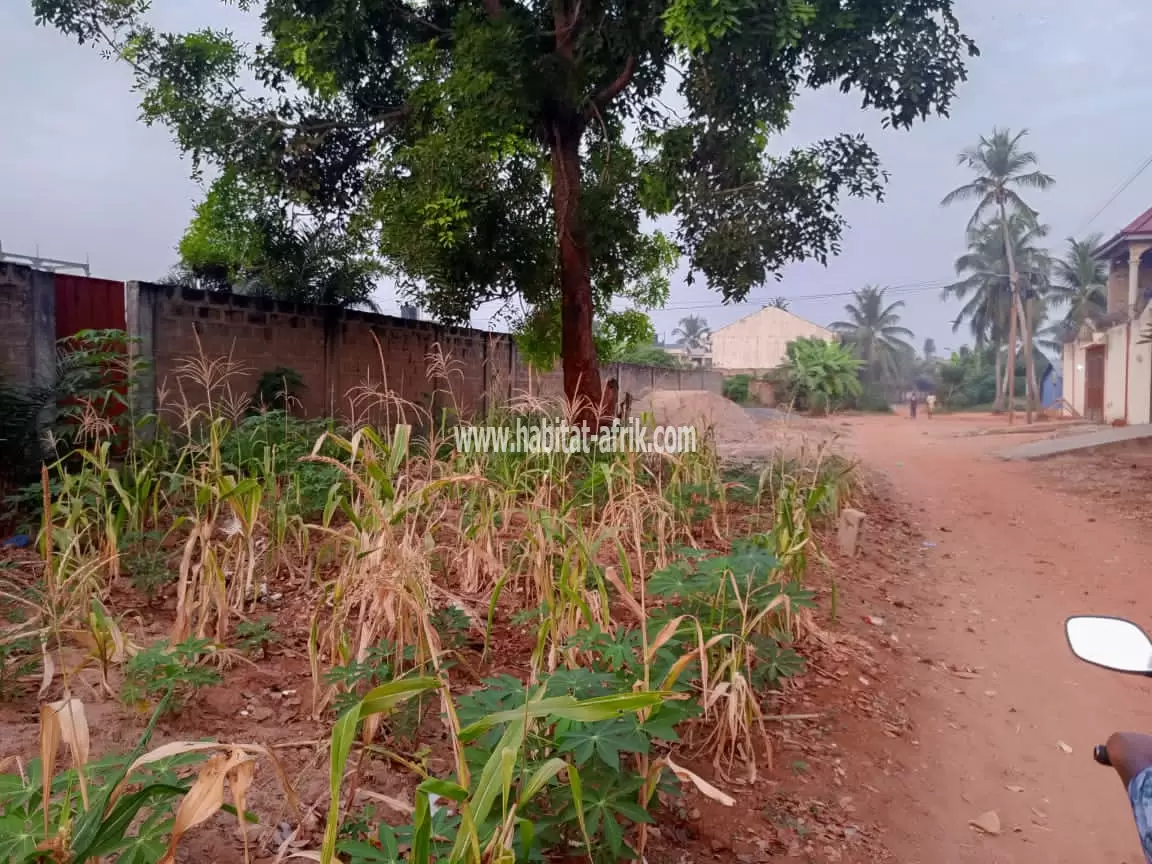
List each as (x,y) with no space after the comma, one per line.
(344,357)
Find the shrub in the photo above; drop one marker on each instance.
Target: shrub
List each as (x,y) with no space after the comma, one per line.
(820,375)
(736,388)
(277,389)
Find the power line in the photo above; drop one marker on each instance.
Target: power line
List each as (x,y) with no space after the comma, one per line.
(897,290)
(1116,194)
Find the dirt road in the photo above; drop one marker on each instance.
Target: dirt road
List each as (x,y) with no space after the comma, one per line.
(1013,556)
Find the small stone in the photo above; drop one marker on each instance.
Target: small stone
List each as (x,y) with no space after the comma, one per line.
(719,845)
(694,815)
(988,822)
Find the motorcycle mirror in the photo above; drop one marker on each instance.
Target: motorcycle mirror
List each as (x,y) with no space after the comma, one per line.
(1110,642)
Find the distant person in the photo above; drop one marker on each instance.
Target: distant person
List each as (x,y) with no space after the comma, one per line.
(930,403)
(912,405)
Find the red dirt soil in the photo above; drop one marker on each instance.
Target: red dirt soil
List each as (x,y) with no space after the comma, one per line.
(1012,554)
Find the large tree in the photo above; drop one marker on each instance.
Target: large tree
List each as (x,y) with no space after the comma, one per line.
(984,283)
(874,331)
(240,240)
(1079,283)
(514,147)
(1002,167)
(694,334)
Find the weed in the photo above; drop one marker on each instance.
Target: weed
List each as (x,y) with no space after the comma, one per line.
(168,675)
(149,571)
(278,388)
(257,637)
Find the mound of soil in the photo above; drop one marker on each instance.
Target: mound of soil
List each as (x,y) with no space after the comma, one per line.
(730,423)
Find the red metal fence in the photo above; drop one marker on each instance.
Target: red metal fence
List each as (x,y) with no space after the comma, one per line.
(84,303)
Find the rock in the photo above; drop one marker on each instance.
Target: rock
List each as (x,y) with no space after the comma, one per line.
(695,814)
(988,822)
(719,844)
(848,535)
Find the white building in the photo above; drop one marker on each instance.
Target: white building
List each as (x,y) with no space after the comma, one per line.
(1107,369)
(758,341)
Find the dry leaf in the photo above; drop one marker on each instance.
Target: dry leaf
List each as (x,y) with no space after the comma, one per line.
(625,595)
(49,744)
(706,788)
(205,798)
(73,720)
(395,803)
(988,822)
(239,782)
(73,725)
(1014,788)
(1063,746)
(49,670)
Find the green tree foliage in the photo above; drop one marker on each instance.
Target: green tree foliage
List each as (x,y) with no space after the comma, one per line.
(242,240)
(1079,284)
(873,331)
(650,355)
(509,148)
(694,334)
(1002,168)
(984,285)
(819,375)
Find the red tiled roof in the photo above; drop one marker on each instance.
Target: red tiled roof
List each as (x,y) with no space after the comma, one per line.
(1138,227)
(1142,224)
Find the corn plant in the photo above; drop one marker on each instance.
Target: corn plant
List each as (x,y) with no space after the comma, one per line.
(497,799)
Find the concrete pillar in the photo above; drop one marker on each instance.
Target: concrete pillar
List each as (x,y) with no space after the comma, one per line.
(42,294)
(1134,253)
(140,321)
(42,304)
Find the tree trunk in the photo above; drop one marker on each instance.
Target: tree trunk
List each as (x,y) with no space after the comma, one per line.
(998,402)
(1014,282)
(581,370)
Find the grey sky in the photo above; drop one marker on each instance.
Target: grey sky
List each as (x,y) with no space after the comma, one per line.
(81,176)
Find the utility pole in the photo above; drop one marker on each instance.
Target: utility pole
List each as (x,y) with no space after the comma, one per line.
(51,265)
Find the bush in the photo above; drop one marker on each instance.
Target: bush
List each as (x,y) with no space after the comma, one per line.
(736,388)
(820,376)
(277,389)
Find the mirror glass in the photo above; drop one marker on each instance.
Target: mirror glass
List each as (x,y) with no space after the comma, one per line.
(1110,642)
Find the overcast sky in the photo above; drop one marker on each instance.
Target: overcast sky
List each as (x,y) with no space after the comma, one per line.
(81,177)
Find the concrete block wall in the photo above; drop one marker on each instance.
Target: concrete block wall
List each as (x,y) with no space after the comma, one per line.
(27,326)
(343,356)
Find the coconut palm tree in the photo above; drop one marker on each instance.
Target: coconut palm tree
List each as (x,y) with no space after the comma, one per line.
(694,334)
(1002,167)
(874,332)
(778,303)
(1080,283)
(985,284)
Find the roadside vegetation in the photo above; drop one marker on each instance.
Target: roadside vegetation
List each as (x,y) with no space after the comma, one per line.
(562,630)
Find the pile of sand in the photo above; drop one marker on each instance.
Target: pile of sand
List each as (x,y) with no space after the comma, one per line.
(730,423)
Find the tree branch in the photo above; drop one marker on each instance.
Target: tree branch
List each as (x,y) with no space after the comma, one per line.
(612,90)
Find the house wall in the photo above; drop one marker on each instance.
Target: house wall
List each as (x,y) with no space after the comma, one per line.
(759,341)
(1073,369)
(1139,373)
(1114,372)
(1117,285)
